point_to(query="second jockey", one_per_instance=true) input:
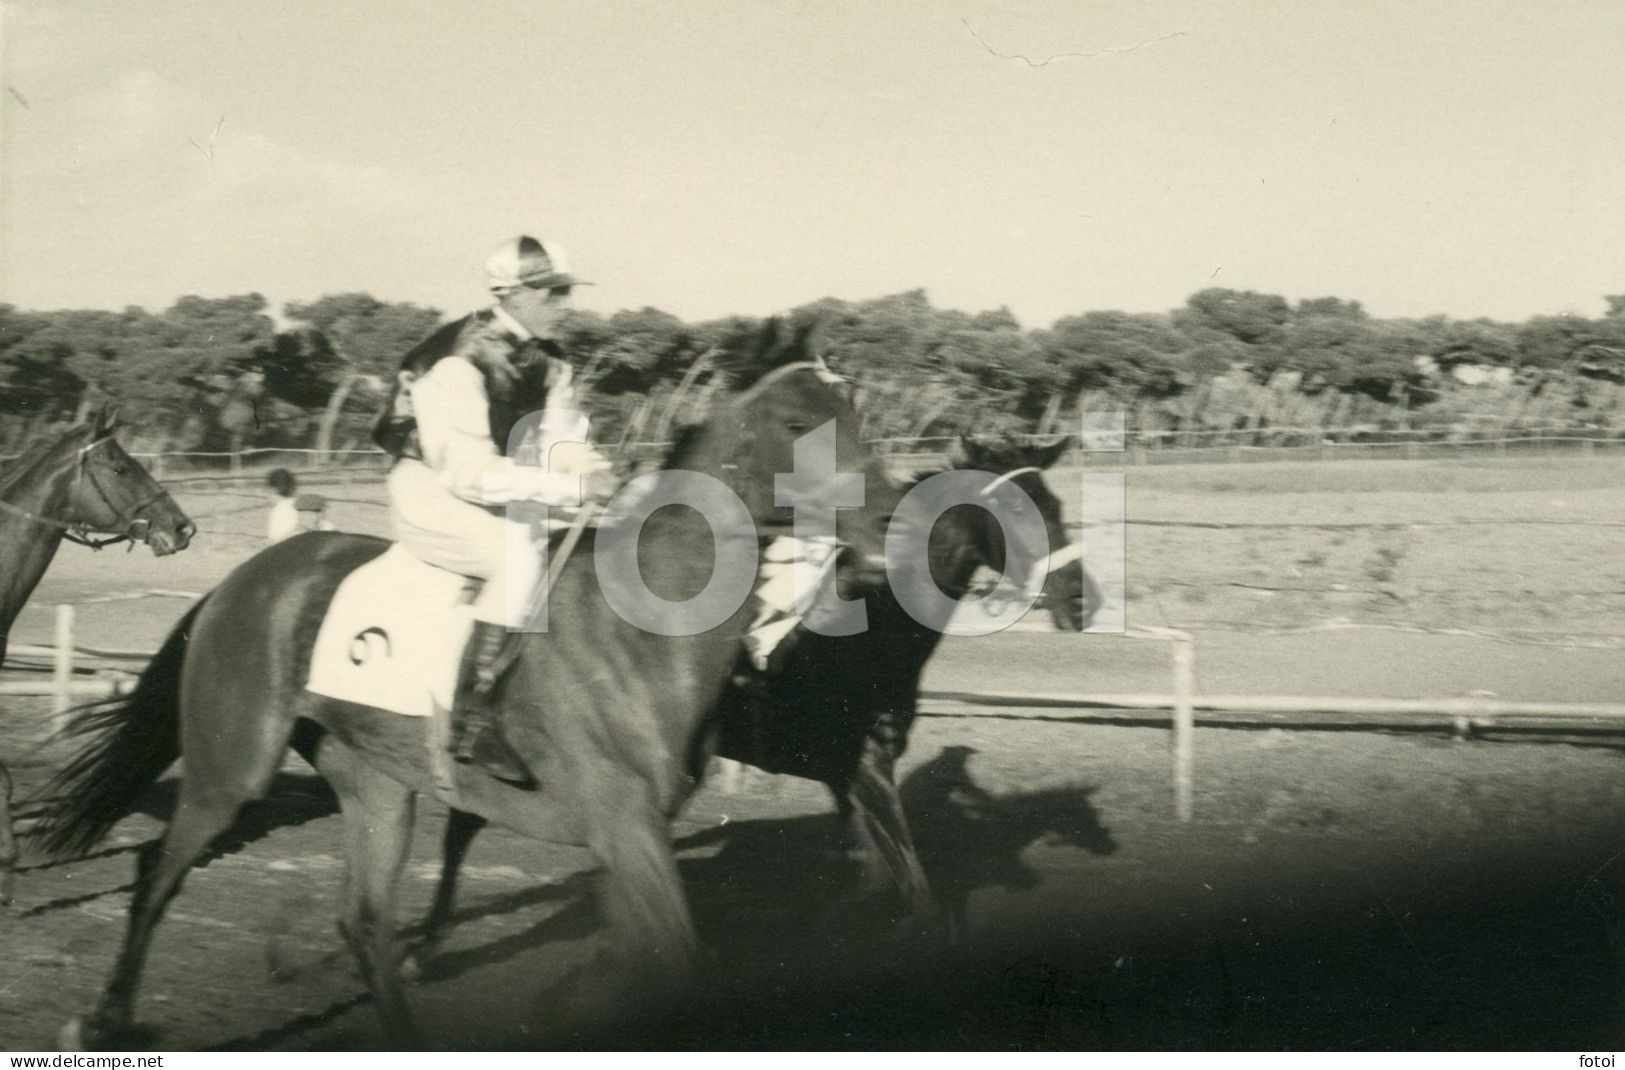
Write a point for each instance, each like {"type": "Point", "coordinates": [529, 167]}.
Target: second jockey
{"type": "Point", "coordinates": [458, 399]}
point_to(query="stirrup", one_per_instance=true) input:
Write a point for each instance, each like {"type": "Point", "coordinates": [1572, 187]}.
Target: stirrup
{"type": "Point", "coordinates": [489, 750]}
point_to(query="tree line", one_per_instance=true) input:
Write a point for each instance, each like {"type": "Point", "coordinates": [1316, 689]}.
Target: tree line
{"type": "Point", "coordinates": [221, 374]}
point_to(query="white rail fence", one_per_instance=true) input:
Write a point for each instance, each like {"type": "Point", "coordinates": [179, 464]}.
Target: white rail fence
{"type": "Point", "coordinates": [78, 673]}
{"type": "Point", "coordinates": [71, 678]}
{"type": "Point", "coordinates": [1193, 446]}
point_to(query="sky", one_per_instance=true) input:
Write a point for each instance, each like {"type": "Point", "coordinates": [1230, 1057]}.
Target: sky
{"type": "Point", "coordinates": [711, 157]}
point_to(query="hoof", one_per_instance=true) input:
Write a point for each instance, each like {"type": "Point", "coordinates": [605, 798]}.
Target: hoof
{"type": "Point", "coordinates": [418, 962]}
{"type": "Point", "coordinates": [413, 967]}
{"type": "Point", "coordinates": [71, 1037]}
{"type": "Point", "coordinates": [80, 1034]}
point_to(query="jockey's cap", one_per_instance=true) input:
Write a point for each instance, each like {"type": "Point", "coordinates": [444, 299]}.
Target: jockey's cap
{"type": "Point", "coordinates": [530, 262]}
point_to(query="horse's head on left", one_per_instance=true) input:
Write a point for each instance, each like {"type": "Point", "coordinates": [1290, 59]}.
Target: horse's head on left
{"type": "Point", "coordinates": [1066, 587]}
{"type": "Point", "coordinates": [796, 444]}
{"type": "Point", "coordinates": [112, 494]}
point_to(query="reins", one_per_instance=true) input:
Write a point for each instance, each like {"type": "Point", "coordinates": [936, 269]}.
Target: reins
{"type": "Point", "coordinates": [1006, 592]}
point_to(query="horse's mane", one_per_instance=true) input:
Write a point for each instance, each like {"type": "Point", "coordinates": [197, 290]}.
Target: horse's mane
{"type": "Point", "coordinates": [744, 358]}
{"type": "Point", "coordinates": [34, 454]}
{"type": "Point", "coordinates": [920, 475]}
{"type": "Point", "coordinates": [683, 444]}
{"type": "Point", "coordinates": [752, 351]}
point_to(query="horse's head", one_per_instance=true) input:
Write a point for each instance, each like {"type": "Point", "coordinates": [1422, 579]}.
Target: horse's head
{"type": "Point", "coordinates": [113, 494]}
{"type": "Point", "coordinates": [789, 438]}
{"type": "Point", "coordinates": [1065, 585]}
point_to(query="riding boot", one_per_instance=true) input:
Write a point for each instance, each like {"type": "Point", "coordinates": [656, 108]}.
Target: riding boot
{"type": "Point", "coordinates": [476, 728]}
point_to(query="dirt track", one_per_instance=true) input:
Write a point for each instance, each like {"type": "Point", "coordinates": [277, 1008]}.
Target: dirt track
{"type": "Point", "coordinates": [1336, 890]}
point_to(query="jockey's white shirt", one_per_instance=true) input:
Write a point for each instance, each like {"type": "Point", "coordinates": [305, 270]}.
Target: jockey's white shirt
{"type": "Point", "coordinates": [454, 433]}
{"type": "Point", "coordinates": [282, 521]}
{"type": "Point", "coordinates": [447, 508]}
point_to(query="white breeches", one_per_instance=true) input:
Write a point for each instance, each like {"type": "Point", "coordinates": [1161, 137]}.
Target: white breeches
{"type": "Point", "coordinates": [470, 540]}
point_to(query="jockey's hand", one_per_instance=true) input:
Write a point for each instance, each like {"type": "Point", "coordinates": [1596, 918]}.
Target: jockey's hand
{"type": "Point", "coordinates": [599, 486]}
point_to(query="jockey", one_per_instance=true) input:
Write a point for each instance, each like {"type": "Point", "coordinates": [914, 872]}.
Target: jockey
{"type": "Point", "coordinates": [459, 395]}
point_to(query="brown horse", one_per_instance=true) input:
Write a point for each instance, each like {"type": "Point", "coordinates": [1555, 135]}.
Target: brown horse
{"type": "Point", "coordinates": [611, 718]}
{"type": "Point", "coordinates": [80, 485]}
{"type": "Point", "coordinates": [838, 709]}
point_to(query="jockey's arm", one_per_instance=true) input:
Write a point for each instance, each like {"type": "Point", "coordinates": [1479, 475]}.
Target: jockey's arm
{"type": "Point", "coordinates": [574, 454]}
{"type": "Point", "coordinates": [454, 431]}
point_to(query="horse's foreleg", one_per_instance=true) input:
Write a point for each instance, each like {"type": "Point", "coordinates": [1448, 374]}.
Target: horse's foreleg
{"type": "Point", "coordinates": [875, 873]}
{"type": "Point", "coordinates": [8, 841]}
{"type": "Point", "coordinates": [378, 814]}
{"type": "Point", "coordinates": [461, 828]}
{"type": "Point", "coordinates": [879, 817]}
{"type": "Point", "coordinates": [160, 869]}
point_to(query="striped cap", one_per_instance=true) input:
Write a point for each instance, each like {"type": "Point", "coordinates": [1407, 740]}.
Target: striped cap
{"type": "Point", "coordinates": [531, 262]}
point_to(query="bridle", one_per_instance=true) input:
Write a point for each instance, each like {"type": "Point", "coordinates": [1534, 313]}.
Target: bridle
{"type": "Point", "coordinates": [1007, 592]}
{"type": "Point", "coordinates": [135, 525]}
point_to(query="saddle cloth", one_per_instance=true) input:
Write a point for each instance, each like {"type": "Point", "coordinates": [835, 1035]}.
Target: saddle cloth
{"type": "Point", "coordinates": [394, 635]}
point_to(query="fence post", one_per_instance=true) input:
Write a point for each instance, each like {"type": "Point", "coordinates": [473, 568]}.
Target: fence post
{"type": "Point", "coordinates": [237, 463]}
{"type": "Point", "coordinates": [63, 666]}
{"type": "Point", "coordinates": [1184, 657]}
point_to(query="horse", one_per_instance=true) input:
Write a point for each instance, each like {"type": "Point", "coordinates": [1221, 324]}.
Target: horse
{"type": "Point", "coordinates": [609, 716]}
{"type": "Point", "coordinates": [838, 709]}
{"type": "Point", "coordinates": [80, 485]}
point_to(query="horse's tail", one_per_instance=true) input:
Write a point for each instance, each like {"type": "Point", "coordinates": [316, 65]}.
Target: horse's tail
{"type": "Point", "coordinates": [135, 738]}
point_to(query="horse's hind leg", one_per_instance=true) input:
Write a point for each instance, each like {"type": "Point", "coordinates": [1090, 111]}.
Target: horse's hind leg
{"type": "Point", "coordinates": [378, 814]}
{"type": "Point", "coordinates": [160, 869]}
{"type": "Point", "coordinates": [8, 841]}
{"type": "Point", "coordinates": [461, 828]}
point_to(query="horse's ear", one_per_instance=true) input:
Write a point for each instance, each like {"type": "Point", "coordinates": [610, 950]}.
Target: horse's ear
{"type": "Point", "coordinates": [812, 338]}
{"type": "Point", "coordinates": [1045, 456]}
{"type": "Point", "coordinates": [776, 334]}
{"type": "Point", "coordinates": [106, 421]}
{"type": "Point", "coordinates": [975, 454]}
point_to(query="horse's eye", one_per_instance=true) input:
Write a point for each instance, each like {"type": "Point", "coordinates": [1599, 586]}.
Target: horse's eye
{"type": "Point", "coordinates": [119, 469]}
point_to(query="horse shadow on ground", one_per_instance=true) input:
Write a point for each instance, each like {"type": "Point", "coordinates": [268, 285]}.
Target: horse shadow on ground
{"type": "Point", "coordinates": [970, 839]}
{"type": "Point", "coordinates": [761, 882]}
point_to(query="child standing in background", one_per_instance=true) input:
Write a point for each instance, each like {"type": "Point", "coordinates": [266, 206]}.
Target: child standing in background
{"type": "Point", "coordinates": [284, 518]}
